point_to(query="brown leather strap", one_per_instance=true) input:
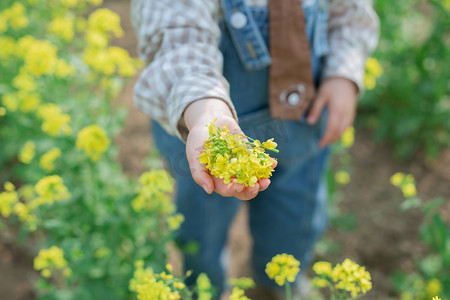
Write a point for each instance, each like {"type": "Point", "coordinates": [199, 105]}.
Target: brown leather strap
{"type": "Point", "coordinates": [291, 87]}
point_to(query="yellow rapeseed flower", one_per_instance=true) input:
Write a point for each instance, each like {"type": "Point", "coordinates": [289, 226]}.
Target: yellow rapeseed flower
{"type": "Point", "coordinates": [174, 222]}
{"type": "Point", "coordinates": [397, 179]}
{"type": "Point", "coordinates": [50, 259]}
{"type": "Point", "coordinates": [41, 58]}
{"type": "Point", "coordinates": [323, 268]}
{"type": "Point", "coordinates": [204, 287]}
{"type": "Point", "coordinates": [105, 20]}
{"type": "Point", "coordinates": [409, 190]}
{"type": "Point", "coordinates": [28, 101]}
{"type": "Point", "coordinates": [436, 298]}
{"type": "Point", "coordinates": [63, 27]}
{"type": "Point", "coordinates": [227, 155]}
{"type": "Point", "coordinates": [10, 101]}
{"type": "Point", "coordinates": [238, 294]}
{"type": "Point", "coordinates": [342, 177]}
{"type": "Point", "coordinates": [348, 137]}
{"type": "Point", "coordinates": [54, 121]}
{"type": "Point", "coordinates": [8, 199]}
{"type": "Point", "coordinates": [154, 189]}
{"type": "Point", "coordinates": [47, 160]}
{"type": "Point", "coordinates": [24, 81]}
{"type": "Point", "coordinates": [283, 267]}
{"type": "Point", "coordinates": [93, 140]}
{"type": "Point", "coordinates": [8, 47]}
{"type": "Point", "coordinates": [352, 278]}
{"type": "Point", "coordinates": [434, 287]}
{"type": "Point", "coordinates": [27, 152]}
{"type": "Point", "coordinates": [50, 189]}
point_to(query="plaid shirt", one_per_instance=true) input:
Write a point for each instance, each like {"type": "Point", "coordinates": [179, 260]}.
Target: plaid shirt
{"type": "Point", "coordinates": [179, 42]}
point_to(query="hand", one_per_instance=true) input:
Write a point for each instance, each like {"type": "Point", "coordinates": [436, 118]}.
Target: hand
{"type": "Point", "coordinates": [340, 95]}
{"type": "Point", "coordinates": [196, 116]}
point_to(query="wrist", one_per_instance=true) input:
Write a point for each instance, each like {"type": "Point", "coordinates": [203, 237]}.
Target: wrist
{"type": "Point", "coordinates": [204, 111]}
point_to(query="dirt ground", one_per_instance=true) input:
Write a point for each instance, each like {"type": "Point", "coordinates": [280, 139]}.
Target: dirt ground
{"type": "Point", "coordinates": [370, 228]}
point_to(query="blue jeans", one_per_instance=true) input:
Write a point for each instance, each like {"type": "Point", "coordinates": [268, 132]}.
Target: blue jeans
{"type": "Point", "coordinates": [289, 216]}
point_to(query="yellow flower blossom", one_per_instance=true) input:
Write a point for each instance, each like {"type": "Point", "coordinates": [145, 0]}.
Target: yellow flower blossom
{"type": "Point", "coordinates": [283, 267]}
{"type": "Point", "coordinates": [15, 16]}
{"type": "Point", "coordinates": [27, 152]}
{"type": "Point", "coordinates": [397, 179]}
{"type": "Point", "coordinates": [28, 101]}
{"type": "Point", "coordinates": [154, 191]}
{"type": "Point", "coordinates": [351, 278]}
{"type": "Point", "coordinates": [93, 140]}
{"type": "Point", "coordinates": [41, 58]}
{"type": "Point", "coordinates": [2, 111]}
{"type": "Point", "coordinates": [342, 177]}
{"type": "Point", "coordinates": [323, 268]}
{"type": "Point", "coordinates": [227, 155]}
{"type": "Point", "coordinates": [11, 102]}
{"type": "Point", "coordinates": [63, 27]}
{"type": "Point", "coordinates": [47, 160]}
{"type": "Point", "coordinates": [434, 287]}
{"type": "Point", "coordinates": [49, 260]}
{"type": "Point", "coordinates": [174, 222]}
{"type": "Point", "coordinates": [409, 190]}
{"type": "Point", "coordinates": [50, 189]}
{"type": "Point", "coordinates": [54, 121]}
{"type": "Point", "coordinates": [8, 199]}
{"type": "Point", "coordinates": [63, 69]}
{"type": "Point", "coordinates": [105, 20]}
{"type": "Point", "coordinates": [238, 294]}
{"type": "Point", "coordinates": [373, 67]}
{"type": "Point", "coordinates": [348, 137]}
{"type": "Point", "coordinates": [436, 298]}
{"type": "Point", "coordinates": [204, 287]}
{"type": "Point", "coordinates": [8, 46]}
{"type": "Point", "coordinates": [24, 81]}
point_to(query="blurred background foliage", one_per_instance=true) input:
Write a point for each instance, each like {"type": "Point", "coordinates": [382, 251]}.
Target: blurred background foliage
{"type": "Point", "coordinates": [410, 106]}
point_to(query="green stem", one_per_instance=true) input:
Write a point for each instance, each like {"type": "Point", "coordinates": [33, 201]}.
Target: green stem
{"type": "Point", "coordinates": [288, 291]}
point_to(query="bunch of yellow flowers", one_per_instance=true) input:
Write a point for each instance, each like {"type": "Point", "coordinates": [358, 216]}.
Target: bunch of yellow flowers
{"type": "Point", "coordinates": [283, 267]}
{"type": "Point", "coordinates": [406, 183]}
{"type": "Point", "coordinates": [229, 155]}
{"type": "Point", "coordinates": [149, 285]}
{"type": "Point", "coordinates": [349, 277]}
{"type": "Point", "coordinates": [51, 259]}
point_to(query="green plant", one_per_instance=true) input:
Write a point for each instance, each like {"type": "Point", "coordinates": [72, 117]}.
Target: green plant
{"type": "Point", "coordinates": [410, 107]}
{"type": "Point", "coordinates": [60, 179]}
{"type": "Point", "coordinates": [432, 276]}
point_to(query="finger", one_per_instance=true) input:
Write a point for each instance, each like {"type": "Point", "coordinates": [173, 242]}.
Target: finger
{"type": "Point", "coordinates": [264, 184]}
{"type": "Point", "coordinates": [249, 192]}
{"type": "Point", "coordinates": [227, 190]}
{"type": "Point", "coordinates": [316, 110]}
{"type": "Point", "coordinates": [331, 131]}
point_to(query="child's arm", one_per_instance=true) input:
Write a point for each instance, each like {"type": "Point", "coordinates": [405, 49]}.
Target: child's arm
{"type": "Point", "coordinates": [182, 87]}
{"type": "Point", "coordinates": [353, 35]}
{"type": "Point", "coordinates": [178, 40]}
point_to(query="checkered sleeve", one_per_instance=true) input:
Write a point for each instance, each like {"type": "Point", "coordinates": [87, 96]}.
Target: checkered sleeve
{"type": "Point", "coordinates": [178, 40]}
{"type": "Point", "coordinates": [353, 31]}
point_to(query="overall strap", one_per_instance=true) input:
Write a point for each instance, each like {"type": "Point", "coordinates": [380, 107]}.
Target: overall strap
{"type": "Point", "coordinates": [291, 85]}
{"type": "Point", "coordinates": [245, 34]}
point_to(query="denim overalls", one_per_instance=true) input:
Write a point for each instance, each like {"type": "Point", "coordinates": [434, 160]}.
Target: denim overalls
{"type": "Point", "coordinates": [290, 215]}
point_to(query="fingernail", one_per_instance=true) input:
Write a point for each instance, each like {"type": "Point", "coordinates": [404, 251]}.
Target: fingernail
{"type": "Point", "coordinates": [254, 192]}
{"type": "Point", "coordinates": [205, 187]}
{"type": "Point", "coordinates": [239, 189]}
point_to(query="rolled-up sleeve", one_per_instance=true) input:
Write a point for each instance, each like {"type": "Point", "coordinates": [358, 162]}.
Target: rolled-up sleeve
{"type": "Point", "coordinates": [178, 40]}
{"type": "Point", "coordinates": [353, 31]}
